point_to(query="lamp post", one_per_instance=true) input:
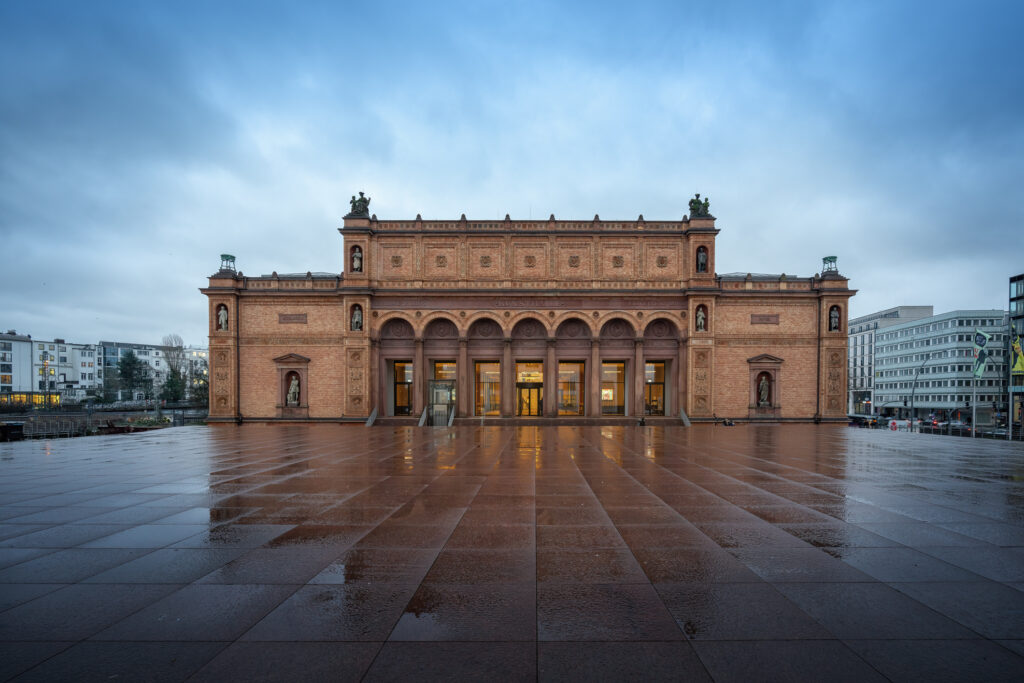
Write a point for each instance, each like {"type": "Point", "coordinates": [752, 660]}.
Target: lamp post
{"type": "Point", "coordinates": [913, 388]}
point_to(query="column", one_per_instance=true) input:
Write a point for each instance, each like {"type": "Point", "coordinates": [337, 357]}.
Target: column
{"type": "Point", "coordinates": [680, 377]}
{"type": "Point", "coordinates": [638, 377]}
{"type": "Point", "coordinates": [373, 381]}
{"type": "Point", "coordinates": [594, 383]}
{"type": "Point", "coordinates": [417, 379]}
{"type": "Point", "coordinates": [463, 383]}
{"type": "Point", "coordinates": [550, 381]}
{"type": "Point", "coordinates": [507, 380]}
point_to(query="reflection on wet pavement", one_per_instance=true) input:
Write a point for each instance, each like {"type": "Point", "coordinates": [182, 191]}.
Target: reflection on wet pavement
{"type": "Point", "coordinates": [707, 553]}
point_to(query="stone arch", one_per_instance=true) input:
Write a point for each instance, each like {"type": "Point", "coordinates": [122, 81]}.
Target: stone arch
{"type": "Point", "coordinates": [529, 327]}
{"type": "Point", "coordinates": [485, 327]}
{"type": "Point", "coordinates": [573, 328]}
{"type": "Point", "coordinates": [441, 328]}
{"type": "Point", "coordinates": [618, 329]}
{"type": "Point", "coordinates": [575, 315]}
{"type": "Point", "coordinates": [437, 315]}
{"type": "Point", "coordinates": [661, 328]}
{"type": "Point", "coordinates": [397, 327]}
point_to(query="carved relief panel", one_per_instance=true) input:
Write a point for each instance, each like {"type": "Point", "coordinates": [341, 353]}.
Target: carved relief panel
{"type": "Point", "coordinates": [440, 261]}
{"type": "Point", "coordinates": [702, 364]}
{"type": "Point", "coordinates": [575, 261]}
{"type": "Point", "coordinates": [397, 260]}
{"type": "Point", "coordinates": [486, 260]}
{"type": "Point", "coordinates": [222, 383]}
{"type": "Point", "coordinates": [530, 260]}
{"type": "Point", "coordinates": [618, 261]}
{"type": "Point", "coordinates": [662, 261]}
{"type": "Point", "coordinates": [356, 394]}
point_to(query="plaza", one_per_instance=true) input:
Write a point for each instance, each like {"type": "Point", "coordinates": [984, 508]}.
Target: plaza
{"type": "Point", "coordinates": [338, 552]}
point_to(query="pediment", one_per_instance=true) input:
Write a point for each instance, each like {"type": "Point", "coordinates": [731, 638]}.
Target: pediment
{"type": "Point", "coordinates": [765, 358]}
{"type": "Point", "coordinates": [291, 358]}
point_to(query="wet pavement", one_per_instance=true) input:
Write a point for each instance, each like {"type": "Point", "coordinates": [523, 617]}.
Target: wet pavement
{"type": "Point", "coordinates": [337, 552]}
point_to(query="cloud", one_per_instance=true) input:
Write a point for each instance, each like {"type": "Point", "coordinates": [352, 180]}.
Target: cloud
{"type": "Point", "coordinates": [138, 142]}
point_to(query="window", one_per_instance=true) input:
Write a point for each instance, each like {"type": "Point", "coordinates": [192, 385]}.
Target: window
{"type": "Point", "coordinates": [570, 388]}
{"type": "Point", "coordinates": [613, 388]}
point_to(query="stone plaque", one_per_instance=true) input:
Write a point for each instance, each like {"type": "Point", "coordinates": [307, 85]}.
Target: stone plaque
{"type": "Point", "coordinates": [291, 318]}
{"type": "Point", "coordinates": [764, 318]}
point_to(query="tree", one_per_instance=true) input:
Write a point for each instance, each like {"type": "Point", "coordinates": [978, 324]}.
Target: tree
{"type": "Point", "coordinates": [174, 387]}
{"type": "Point", "coordinates": [174, 355]}
{"type": "Point", "coordinates": [198, 382]}
{"type": "Point", "coordinates": [134, 374]}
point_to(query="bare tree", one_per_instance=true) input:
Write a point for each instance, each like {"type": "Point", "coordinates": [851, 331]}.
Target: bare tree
{"type": "Point", "coordinates": [174, 352]}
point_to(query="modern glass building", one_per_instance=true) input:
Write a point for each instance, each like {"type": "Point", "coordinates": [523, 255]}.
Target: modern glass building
{"type": "Point", "coordinates": [923, 368]}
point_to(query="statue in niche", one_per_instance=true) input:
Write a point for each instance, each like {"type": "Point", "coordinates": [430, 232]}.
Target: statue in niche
{"type": "Point", "coordinates": [833, 319]}
{"type": "Point", "coordinates": [763, 388]}
{"type": "Point", "coordinates": [698, 208]}
{"type": "Point", "coordinates": [293, 392]}
{"type": "Point", "coordinates": [357, 318]}
{"type": "Point", "coordinates": [702, 260]}
{"type": "Point", "coordinates": [360, 207]}
{"type": "Point", "coordinates": [702, 320]}
{"type": "Point", "coordinates": [357, 260]}
{"type": "Point", "coordinates": [222, 318]}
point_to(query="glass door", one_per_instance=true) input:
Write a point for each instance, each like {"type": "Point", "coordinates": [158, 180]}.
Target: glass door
{"type": "Point", "coordinates": [488, 389]}
{"type": "Point", "coordinates": [570, 388]}
{"type": "Point", "coordinates": [654, 388]}
{"type": "Point", "coordinates": [613, 388]}
{"type": "Point", "coordinates": [530, 388]}
{"type": "Point", "coordinates": [403, 388]}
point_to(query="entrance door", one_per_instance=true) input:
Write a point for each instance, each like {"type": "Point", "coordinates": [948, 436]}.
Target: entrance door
{"type": "Point", "coordinates": [529, 399]}
{"type": "Point", "coordinates": [654, 389]}
{"type": "Point", "coordinates": [442, 401]}
{"type": "Point", "coordinates": [402, 388]}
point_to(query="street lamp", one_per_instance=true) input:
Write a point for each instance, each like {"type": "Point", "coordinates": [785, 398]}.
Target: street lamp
{"type": "Point", "coordinates": [913, 389]}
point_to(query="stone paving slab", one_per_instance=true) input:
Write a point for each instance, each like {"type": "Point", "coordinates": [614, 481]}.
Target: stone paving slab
{"type": "Point", "coordinates": [337, 552]}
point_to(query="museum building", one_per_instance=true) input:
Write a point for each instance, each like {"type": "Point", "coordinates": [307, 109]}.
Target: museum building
{"type": "Point", "coordinates": [590, 320]}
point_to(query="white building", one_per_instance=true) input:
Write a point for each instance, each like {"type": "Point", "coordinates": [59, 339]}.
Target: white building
{"type": "Point", "coordinates": [66, 368]}
{"type": "Point", "coordinates": [862, 330]}
{"type": "Point", "coordinates": [925, 366]}
{"type": "Point", "coordinates": [15, 363]}
{"type": "Point", "coordinates": [197, 370]}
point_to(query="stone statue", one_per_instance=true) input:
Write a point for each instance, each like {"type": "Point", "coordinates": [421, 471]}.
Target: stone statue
{"type": "Point", "coordinates": [293, 392]}
{"type": "Point", "coordinates": [702, 260]}
{"type": "Point", "coordinates": [360, 207]}
{"type": "Point", "coordinates": [357, 260]}
{"type": "Point", "coordinates": [833, 319]}
{"type": "Point", "coordinates": [222, 318]}
{"type": "Point", "coordinates": [762, 392]}
{"type": "Point", "coordinates": [357, 319]}
{"type": "Point", "coordinates": [701, 319]}
{"type": "Point", "coordinates": [698, 208]}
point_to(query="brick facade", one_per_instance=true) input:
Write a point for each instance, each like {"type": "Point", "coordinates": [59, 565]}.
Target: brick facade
{"type": "Point", "coordinates": [564, 294]}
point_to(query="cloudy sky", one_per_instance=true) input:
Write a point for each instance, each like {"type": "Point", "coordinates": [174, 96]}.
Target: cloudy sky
{"type": "Point", "coordinates": [140, 140]}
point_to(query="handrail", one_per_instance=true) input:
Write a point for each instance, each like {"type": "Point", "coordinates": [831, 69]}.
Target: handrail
{"type": "Point", "coordinates": [373, 417]}
{"type": "Point", "coordinates": [423, 418]}
{"type": "Point", "coordinates": [684, 417]}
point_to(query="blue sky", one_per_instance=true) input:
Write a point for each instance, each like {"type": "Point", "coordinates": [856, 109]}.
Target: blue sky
{"type": "Point", "coordinates": [139, 140]}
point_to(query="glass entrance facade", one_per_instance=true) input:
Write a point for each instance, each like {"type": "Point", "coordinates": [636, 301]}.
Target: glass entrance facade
{"type": "Point", "coordinates": [654, 388]}
{"type": "Point", "coordinates": [613, 388]}
{"type": "Point", "coordinates": [571, 388]}
{"type": "Point", "coordinates": [403, 387]}
{"type": "Point", "coordinates": [488, 388]}
{"type": "Point", "coordinates": [530, 388]}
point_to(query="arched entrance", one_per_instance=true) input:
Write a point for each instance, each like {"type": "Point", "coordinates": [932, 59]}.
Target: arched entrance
{"type": "Point", "coordinates": [529, 341]}
{"type": "Point", "coordinates": [441, 352]}
{"type": "Point", "coordinates": [396, 369]}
